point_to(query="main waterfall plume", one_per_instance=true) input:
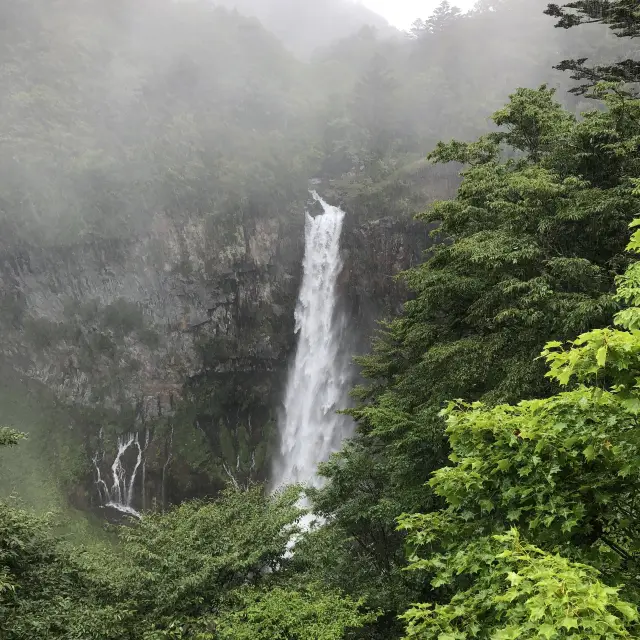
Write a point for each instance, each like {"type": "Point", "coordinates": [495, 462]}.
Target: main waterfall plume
{"type": "Point", "coordinates": [311, 429]}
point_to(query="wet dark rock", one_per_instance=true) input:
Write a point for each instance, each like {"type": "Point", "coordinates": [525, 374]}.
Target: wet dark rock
{"type": "Point", "coordinates": [185, 332]}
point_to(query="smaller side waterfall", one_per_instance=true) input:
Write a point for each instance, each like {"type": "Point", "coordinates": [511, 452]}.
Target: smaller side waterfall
{"type": "Point", "coordinates": [311, 428]}
{"type": "Point", "coordinates": [119, 495]}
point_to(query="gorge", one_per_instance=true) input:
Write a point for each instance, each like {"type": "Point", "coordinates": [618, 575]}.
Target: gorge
{"type": "Point", "coordinates": [314, 389]}
{"type": "Point", "coordinates": [157, 163]}
{"type": "Point", "coordinates": [183, 336]}
{"type": "Point", "coordinates": [151, 227]}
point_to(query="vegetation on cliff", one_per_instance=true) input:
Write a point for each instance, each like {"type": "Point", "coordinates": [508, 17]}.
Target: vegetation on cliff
{"type": "Point", "coordinates": [114, 113]}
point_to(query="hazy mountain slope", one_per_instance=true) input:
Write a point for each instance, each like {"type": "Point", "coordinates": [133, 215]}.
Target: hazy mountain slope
{"type": "Point", "coordinates": [113, 113]}
{"type": "Point", "coordinates": [305, 25]}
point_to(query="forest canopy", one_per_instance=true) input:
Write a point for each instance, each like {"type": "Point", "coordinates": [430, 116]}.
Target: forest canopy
{"type": "Point", "coordinates": [113, 112]}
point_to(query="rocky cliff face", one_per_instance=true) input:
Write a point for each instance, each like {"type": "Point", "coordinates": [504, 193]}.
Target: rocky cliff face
{"type": "Point", "coordinates": [106, 323]}
{"type": "Point", "coordinates": [182, 335]}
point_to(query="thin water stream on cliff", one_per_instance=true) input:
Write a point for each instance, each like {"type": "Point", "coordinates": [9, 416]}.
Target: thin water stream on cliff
{"type": "Point", "coordinates": [310, 429]}
{"type": "Point", "coordinates": [119, 495]}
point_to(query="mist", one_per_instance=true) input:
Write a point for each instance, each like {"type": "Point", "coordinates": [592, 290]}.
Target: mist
{"type": "Point", "coordinates": [112, 112]}
{"type": "Point", "coordinates": [250, 252]}
{"type": "Point", "coordinates": [156, 158]}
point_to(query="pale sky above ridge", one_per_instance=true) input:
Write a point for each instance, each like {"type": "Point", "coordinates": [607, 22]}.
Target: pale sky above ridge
{"type": "Point", "coordinates": [401, 13]}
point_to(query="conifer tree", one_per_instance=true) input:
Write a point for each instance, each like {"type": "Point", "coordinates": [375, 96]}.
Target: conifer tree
{"type": "Point", "coordinates": [530, 249]}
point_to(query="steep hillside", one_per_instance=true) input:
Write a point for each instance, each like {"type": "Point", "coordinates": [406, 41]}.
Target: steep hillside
{"type": "Point", "coordinates": [308, 25]}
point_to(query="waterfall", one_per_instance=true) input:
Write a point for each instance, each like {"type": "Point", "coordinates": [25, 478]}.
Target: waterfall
{"type": "Point", "coordinates": [119, 495]}
{"type": "Point", "coordinates": [310, 428]}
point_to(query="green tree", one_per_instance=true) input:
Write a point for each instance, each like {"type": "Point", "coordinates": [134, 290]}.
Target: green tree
{"type": "Point", "coordinates": [218, 570]}
{"type": "Point", "coordinates": [561, 473]}
{"type": "Point", "coordinates": [373, 105]}
{"type": "Point", "coordinates": [441, 19]}
{"type": "Point", "coordinates": [621, 16]}
{"type": "Point", "coordinates": [518, 592]}
{"type": "Point", "coordinates": [203, 571]}
{"type": "Point", "coordinates": [531, 245]}
{"type": "Point", "coordinates": [44, 592]}
{"type": "Point", "coordinates": [302, 613]}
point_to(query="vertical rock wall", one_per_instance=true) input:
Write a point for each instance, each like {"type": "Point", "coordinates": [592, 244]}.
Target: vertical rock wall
{"type": "Point", "coordinates": [184, 332]}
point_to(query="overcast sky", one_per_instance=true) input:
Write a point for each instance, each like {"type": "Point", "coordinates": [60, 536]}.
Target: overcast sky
{"type": "Point", "coordinates": [401, 13]}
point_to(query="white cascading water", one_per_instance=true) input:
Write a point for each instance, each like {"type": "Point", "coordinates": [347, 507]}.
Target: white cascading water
{"type": "Point", "coordinates": [120, 495]}
{"type": "Point", "coordinates": [311, 430]}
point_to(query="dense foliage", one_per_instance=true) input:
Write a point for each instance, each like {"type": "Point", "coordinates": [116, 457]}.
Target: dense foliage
{"type": "Point", "coordinates": [532, 244]}
{"type": "Point", "coordinates": [112, 113]}
{"type": "Point", "coordinates": [191, 126]}
{"type": "Point", "coordinates": [537, 234]}
{"type": "Point", "coordinates": [562, 472]}
{"type": "Point", "coordinates": [202, 571]}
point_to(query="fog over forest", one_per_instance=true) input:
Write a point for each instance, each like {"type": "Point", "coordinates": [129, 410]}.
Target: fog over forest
{"type": "Point", "coordinates": [112, 112]}
{"type": "Point", "coordinates": [275, 281]}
